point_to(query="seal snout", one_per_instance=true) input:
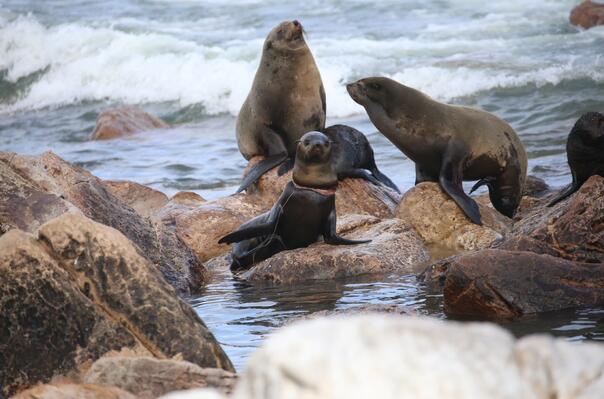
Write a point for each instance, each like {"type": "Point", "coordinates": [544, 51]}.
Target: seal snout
{"type": "Point", "coordinates": [296, 30]}
{"type": "Point", "coordinates": [355, 90]}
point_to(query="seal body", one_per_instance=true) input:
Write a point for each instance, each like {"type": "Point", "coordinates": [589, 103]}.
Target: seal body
{"type": "Point", "coordinates": [585, 152]}
{"type": "Point", "coordinates": [305, 210]}
{"type": "Point", "coordinates": [448, 143]}
{"type": "Point", "coordinates": [353, 156]}
{"type": "Point", "coordinates": [286, 100]}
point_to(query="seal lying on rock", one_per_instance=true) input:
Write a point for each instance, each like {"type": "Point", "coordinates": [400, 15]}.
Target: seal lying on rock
{"type": "Point", "coordinates": [352, 156]}
{"type": "Point", "coordinates": [304, 211]}
{"type": "Point", "coordinates": [449, 144]}
{"type": "Point", "coordinates": [287, 99]}
{"type": "Point", "coordinates": [585, 152]}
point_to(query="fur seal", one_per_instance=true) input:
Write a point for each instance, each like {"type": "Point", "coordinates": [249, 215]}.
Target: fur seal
{"type": "Point", "coordinates": [353, 156]}
{"type": "Point", "coordinates": [448, 143]}
{"type": "Point", "coordinates": [305, 210]}
{"type": "Point", "coordinates": [286, 100]}
{"type": "Point", "coordinates": [585, 152]}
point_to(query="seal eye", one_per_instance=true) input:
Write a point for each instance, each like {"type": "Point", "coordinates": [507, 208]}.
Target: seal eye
{"type": "Point", "coordinates": [376, 86]}
{"type": "Point", "coordinates": [306, 142]}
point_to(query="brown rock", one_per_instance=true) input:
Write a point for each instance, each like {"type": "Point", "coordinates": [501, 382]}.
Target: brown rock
{"type": "Point", "coordinates": [505, 284]}
{"type": "Point", "coordinates": [124, 121]}
{"type": "Point", "coordinates": [149, 378]}
{"type": "Point", "coordinates": [86, 289]}
{"type": "Point", "coordinates": [572, 229]}
{"type": "Point", "coordinates": [535, 187]}
{"type": "Point", "coordinates": [187, 198]}
{"type": "Point", "coordinates": [587, 14]}
{"type": "Point", "coordinates": [395, 248]}
{"type": "Point", "coordinates": [55, 180]}
{"type": "Point", "coordinates": [442, 225]}
{"type": "Point", "coordinates": [74, 391]}
{"type": "Point", "coordinates": [144, 200]}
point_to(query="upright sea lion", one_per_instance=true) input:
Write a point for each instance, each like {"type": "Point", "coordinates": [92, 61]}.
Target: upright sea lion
{"type": "Point", "coordinates": [305, 210]}
{"type": "Point", "coordinates": [287, 99]}
{"type": "Point", "coordinates": [448, 143]}
{"type": "Point", "coordinates": [353, 156]}
{"type": "Point", "coordinates": [585, 152]}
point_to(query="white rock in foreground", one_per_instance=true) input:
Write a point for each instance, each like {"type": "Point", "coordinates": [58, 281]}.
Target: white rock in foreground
{"type": "Point", "coordinates": [378, 356]}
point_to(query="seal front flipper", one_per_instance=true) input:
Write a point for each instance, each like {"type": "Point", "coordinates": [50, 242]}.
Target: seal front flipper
{"type": "Point", "coordinates": [487, 181]}
{"type": "Point", "coordinates": [565, 193]}
{"type": "Point", "coordinates": [247, 233]}
{"type": "Point", "coordinates": [330, 236]}
{"type": "Point", "coordinates": [450, 180]}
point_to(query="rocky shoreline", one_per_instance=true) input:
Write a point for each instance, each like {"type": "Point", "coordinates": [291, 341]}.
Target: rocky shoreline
{"type": "Point", "coordinates": [92, 272]}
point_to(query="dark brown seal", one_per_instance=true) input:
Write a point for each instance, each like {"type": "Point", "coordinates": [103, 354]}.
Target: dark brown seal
{"type": "Point", "coordinates": [585, 152]}
{"type": "Point", "coordinates": [287, 99]}
{"type": "Point", "coordinates": [448, 143]}
{"type": "Point", "coordinates": [305, 210]}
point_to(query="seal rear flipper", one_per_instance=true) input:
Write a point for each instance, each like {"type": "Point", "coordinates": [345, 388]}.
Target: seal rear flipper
{"type": "Point", "coordinates": [267, 248]}
{"type": "Point", "coordinates": [360, 174]}
{"type": "Point", "coordinates": [450, 180]}
{"type": "Point", "coordinates": [385, 180]}
{"type": "Point", "coordinates": [565, 193]}
{"type": "Point", "coordinates": [261, 168]}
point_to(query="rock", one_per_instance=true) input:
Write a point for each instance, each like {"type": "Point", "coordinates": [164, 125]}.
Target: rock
{"type": "Point", "coordinates": [572, 229]}
{"type": "Point", "coordinates": [85, 288]}
{"type": "Point", "coordinates": [187, 198]}
{"type": "Point", "coordinates": [38, 188]}
{"type": "Point", "coordinates": [124, 121]}
{"type": "Point", "coordinates": [201, 227]}
{"type": "Point", "coordinates": [506, 284]}
{"type": "Point", "coordinates": [358, 310]}
{"type": "Point", "coordinates": [442, 225]}
{"type": "Point", "coordinates": [149, 378]}
{"type": "Point", "coordinates": [74, 391]}
{"type": "Point", "coordinates": [587, 14]}
{"type": "Point", "coordinates": [144, 200]}
{"type": "Point", "coordinates": [353, 196]}
{"type": "Point", "coordinates": [381, 356]}
{"type": "Point", "coordinates": [395, 248]}
{"type": "Point", "coordinates": [535, 187]}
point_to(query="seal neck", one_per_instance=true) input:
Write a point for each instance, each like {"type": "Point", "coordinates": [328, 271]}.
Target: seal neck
{"type": "Point", "coordinates": [325, 191]}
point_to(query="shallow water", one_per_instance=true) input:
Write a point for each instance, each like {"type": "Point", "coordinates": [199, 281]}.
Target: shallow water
{"type": "Point", "coordinates": [192, 63]}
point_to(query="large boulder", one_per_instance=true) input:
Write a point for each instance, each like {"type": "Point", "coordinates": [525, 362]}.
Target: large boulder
{"type": "Point", "coordinates": [68, 390]}
{"type": "Point", "coordinates": [385, 357]}
{"type": "Point", "coordinates": [149, 378]}
{"type": "Point", "coordinates": [144, 200]}
{"type": "Point", "coordinates": [85, 288]}
{"type": "Point", "coordinates": [395, 248]}
{"type": "Point", "coordinates": [124, 121]}
{"type": "Point", "coordinates": [35, 189]}
{"type": "Point", "coordinates": [571, 229]}
{"type": "Point", "coordinates": [587, 14]}
{"type": "Point", "coordinates": [505, 284]}
{"type": "Point", "coordinates": [443, 226]}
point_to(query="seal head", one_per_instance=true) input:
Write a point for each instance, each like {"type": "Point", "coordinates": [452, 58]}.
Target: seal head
{"type": "Point", "coordinates": [313, 166]}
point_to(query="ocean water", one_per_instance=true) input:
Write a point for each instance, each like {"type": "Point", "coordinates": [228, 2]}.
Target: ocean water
{"type": "Point", "coordinates": [192, 63]}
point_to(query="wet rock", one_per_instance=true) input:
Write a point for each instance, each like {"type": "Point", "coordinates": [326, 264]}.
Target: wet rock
{"type": "Point", "coordinates": [354, 196]}
{"type": "Point", "coordinates": [359, 310]}
{"type": "Point", "coordinates": [535, 187]}
{"type": "Point", "coordinates": [86, 288]}
{"type": "Point", "coordinates": [587, 14]}
{"type": "Point", "coordinates": [149, 378]}
{"type": "Point", "coordinates": [124, 121]}
{"type": "Point", "coordinates": [572, 229]}
{"type": "Point", "coordinates": [74, 391]}
{"type": "Point", "coordinates": [441, 224]}
{"type": "Point", "coordinates": [395, 248]}
{"type": "Point", "coordinates": [506, 284]}
{"type": "Point", "coordinates": [360, 356]}
{"type": "Point", "coordinates": [144, 200]}
{"type": "Point", "coordinates": [37, 188]}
